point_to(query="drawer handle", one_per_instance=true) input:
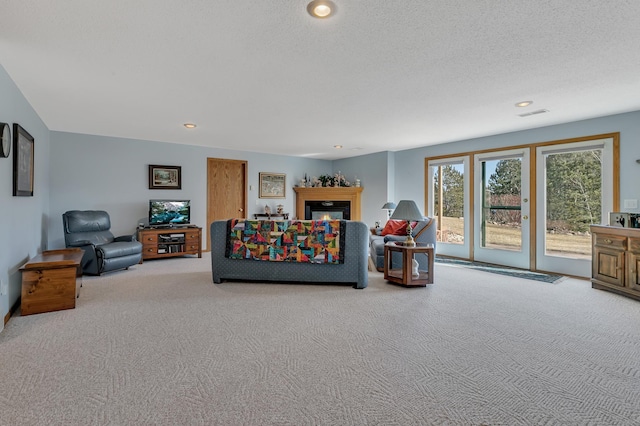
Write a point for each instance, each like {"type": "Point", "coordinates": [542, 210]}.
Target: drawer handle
{"type": "Point", "coordinates": [607, 241]}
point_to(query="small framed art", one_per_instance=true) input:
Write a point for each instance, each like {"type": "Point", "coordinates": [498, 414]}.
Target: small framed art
{"type": "Point", "coordinates": [272, 185]}
{"type": "Point", "coordinates": [23, 155]}
{"type": "Point", "coordinates": [165, 177]}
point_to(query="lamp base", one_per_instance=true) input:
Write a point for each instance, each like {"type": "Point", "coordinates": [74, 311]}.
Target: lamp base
{"type": "Point", "coordinates": [409, 242]}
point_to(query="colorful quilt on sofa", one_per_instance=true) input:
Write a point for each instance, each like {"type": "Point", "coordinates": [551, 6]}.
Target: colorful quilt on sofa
{"type": "Point", "coordinates": [308, 241]}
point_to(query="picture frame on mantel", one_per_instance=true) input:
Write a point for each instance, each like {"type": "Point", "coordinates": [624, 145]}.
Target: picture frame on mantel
{"type": "Point", "coordinates": [23, 162]}
{"type": "Point", "coordinates": [273, 185]}
{"type": "Point", "coordinates": [165, 177]}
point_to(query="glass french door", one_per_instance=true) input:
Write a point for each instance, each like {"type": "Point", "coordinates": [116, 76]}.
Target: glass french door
{"type": "Point", "coordinates": [571, 195]}
{"type": "Point", "coordinates": [501, 218]}
{"type": "Point", "coordinates": [448, 199]}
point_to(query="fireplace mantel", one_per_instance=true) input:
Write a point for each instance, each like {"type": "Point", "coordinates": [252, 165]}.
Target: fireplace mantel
{"type": "Point", "coordinates": [342, 193]}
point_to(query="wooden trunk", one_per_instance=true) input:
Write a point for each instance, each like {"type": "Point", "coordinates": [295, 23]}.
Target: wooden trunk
{"type": "Point", "coordinates": [50, 281]}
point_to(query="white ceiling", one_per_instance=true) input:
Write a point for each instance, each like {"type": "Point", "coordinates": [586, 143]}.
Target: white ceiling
{"type": "Point", "coordinates": [264, 76]}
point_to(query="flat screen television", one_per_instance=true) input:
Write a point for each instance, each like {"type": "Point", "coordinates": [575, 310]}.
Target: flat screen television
{"type": "Point", "coordinates": [169, 212]}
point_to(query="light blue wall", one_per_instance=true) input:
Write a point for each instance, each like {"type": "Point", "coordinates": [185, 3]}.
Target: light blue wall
{"type": "Point", "coordinates": [23, 225]}
{"type": "Point", "coordinates": [105, 173]}
{"type": "Point", "coordinates": [409, 176]}
{"type": "Point", "coordinates": [374, 172]}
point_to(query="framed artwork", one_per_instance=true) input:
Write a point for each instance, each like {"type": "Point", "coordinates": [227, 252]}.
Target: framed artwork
{"type": "Point", "coordinates": [165, 177]}
{"type": "Point", "coordinates": [272, 185]}
{"type": "Point", "coordinates": [23, 144]}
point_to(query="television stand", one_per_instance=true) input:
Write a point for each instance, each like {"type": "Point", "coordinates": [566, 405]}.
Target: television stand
{"type": "Point", "coordinates": [170, 242]}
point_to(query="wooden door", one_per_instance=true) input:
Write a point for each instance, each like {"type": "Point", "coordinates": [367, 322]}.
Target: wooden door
{"type": "Point", "coordinates": [226, 190]}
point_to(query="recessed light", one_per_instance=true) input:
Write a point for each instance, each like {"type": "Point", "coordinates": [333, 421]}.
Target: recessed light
{"type": "Point", "coordinates": [524, 104]}
{"type": "Point", "coordinates": [190, 125]}
{"type": "Point", "coordinates": [337, 146]}
{"type": "Point", "coordinates": [321, 8]}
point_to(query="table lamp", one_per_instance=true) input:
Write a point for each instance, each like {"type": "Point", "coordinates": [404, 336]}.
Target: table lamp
{"type": "Point", "coordinates": [409, 211]}
{"type": "Point", "coordinates": [388, 206]}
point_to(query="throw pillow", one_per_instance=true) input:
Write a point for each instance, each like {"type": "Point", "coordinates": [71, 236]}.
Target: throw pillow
{"type": "Point", "coordinates": [395, 227]}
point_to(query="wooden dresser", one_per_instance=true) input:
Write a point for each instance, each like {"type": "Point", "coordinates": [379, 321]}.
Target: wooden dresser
{"type": "Point", "coordinates": [616, 260]}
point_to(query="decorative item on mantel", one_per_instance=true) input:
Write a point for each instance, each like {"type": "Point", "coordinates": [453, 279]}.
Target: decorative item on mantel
{"type": "Point", "coordinates": [326, 181]}
{"type": "Point", "coordinates": [267, 210]}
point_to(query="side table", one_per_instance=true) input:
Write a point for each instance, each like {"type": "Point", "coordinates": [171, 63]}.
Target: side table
{"type": "Point", "coordinates": [50, 281]}
{"type": "Point", "coordinates": [403, 276]}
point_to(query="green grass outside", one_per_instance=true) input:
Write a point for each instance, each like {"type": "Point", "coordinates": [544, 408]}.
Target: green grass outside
{"type": "Point", "coordinates": [568, 245]}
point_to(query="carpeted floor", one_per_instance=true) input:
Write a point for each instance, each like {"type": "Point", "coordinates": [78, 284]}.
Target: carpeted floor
{"type": "Point", "coordinates": [161, 345]}
{"type": "Point", "coordinates": [503, 270]}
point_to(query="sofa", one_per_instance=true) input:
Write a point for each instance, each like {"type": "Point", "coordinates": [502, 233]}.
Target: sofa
{"type": "Point", "coordinates": [424, 232]}
{"type": "Point", "coordinates": [353, 271]}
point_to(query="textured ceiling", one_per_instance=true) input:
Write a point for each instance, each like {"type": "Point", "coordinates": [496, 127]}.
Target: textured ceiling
{"type": "Point", "coordinates": [264, 76]}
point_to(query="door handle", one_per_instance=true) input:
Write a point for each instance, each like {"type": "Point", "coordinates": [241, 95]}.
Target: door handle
{"type": "Point", "coordinates": [525, 217]}
{"type": "Point", "coordinates": [240, 210]}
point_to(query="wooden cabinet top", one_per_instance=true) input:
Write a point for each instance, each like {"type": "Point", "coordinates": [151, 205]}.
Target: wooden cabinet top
{"type": "Point", "coordinates": [52, 259]}
{"type": "Point", "coordinates": [615, 230]}
{"type": "Point", "coordinates": [173, 230]}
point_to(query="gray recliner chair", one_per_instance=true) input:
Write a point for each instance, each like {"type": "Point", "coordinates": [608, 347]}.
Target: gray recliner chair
{"type": "Point", "coordinates": [90, 231]}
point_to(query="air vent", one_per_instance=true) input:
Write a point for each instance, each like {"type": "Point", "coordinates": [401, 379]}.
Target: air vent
{"type": "Point", "coordinates": [539, 111]}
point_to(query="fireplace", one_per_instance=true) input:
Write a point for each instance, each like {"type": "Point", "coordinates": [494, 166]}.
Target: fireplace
{"type": "Point", "coordinates": [343, 198]}
{"type": "Point", "coordinates": [328, 209]}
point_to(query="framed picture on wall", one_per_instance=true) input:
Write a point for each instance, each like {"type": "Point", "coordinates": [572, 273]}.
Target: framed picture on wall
{"type": "Point", "coordinates": [165, 177]}
{"type": "Point", "coordinates": [272, 185]}
{"type": "Point", "coordinates": [23, 155]}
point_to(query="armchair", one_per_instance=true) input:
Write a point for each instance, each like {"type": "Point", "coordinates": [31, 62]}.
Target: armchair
{"type": "Point", "coordinates": [423, 232]}
{"type": "Point", "coordinates": [90, 231]}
